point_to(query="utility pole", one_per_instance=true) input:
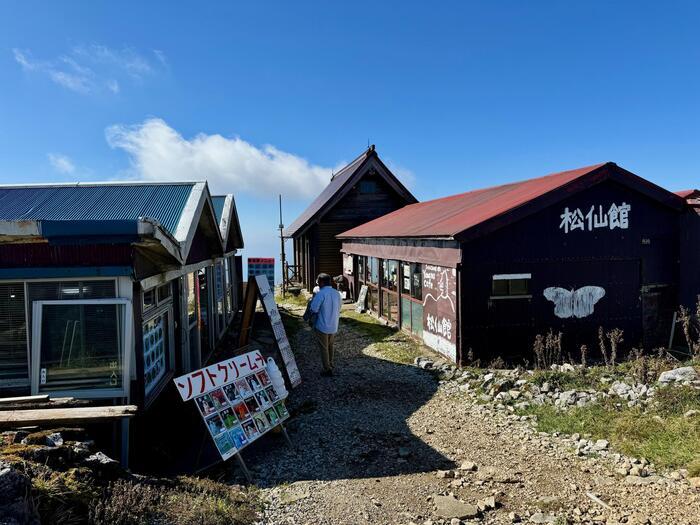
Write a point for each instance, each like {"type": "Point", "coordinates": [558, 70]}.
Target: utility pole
{"type": "Point", "coordinates": [283, 262]}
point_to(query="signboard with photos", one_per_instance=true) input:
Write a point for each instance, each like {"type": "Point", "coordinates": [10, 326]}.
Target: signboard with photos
{"type": "Point", "coordinates": [236, 399]}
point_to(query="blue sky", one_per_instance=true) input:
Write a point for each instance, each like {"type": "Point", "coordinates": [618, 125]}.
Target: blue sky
{"type": "Point", "coordinates": [265, 97]}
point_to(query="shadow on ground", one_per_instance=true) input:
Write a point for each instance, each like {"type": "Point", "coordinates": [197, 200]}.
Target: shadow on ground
{"type": "Point", "coordinates": [353, 425]}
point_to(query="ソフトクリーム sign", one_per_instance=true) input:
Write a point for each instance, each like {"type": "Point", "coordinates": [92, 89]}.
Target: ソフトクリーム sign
{"type": "Point", "coordinates": [236, 399]}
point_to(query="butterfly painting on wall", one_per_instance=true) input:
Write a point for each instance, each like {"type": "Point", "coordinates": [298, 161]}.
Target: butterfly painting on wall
{"type": "Point", "coordinates": [574, 303]}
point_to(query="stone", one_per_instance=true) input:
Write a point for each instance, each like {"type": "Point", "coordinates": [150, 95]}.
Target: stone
{"type": "Point", "coordinates": [104, 466]}
{"type": "Point", "coordinates": [545, 387]}
{"type": "Point", "coordinates": [541, 517]}
{"type": "Point", "coordinates": [684, 373]}
{"type": "Point", "coordinates": [600, 445]}
{"type": "Point", "coordinates": [15, 506]}
{"type": "Point", "coordinates": [54, 440]}
{"type": "Point", "coordinates": [691, 413]}
{"type": "Point", "coordinates": [455, 521]}
{"type": "Point", "coordinates": [451, 507]}
{"type": "Point", "coordinates": [444, 474]}
{"type": "Point", "coordinates": [468, 466]}
{"type": "Point", "coordinates": [514, 517]}
{"type": "Point", "coordinates": [694, 482]}
{"type": "Point", "coordinates": [639, 480]}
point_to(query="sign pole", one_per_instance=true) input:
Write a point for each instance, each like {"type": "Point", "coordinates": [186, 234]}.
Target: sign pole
{"type": "Point", "coordinates": [283, 262]}
{"type": "Point", "coordinates": [244, 468]}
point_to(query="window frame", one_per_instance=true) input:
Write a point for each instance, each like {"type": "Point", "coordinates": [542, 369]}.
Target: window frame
{"type": "Point", "coordinates": [126, 348]}
{"type": "Point", "coordinates": [508, 277]}
{"type": "Point", "coordinates": [167, 309]}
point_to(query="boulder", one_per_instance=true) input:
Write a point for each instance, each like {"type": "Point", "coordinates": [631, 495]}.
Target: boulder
{"type": "Point", "coordinates": [104, 467]}
{"type": "Point", "coordinates": [678, 375]}
{"type": "Point", "coordinates": [450, 507]}
{"type": "Point", "coordinates": [15, 504]}
{"type": "Point", "coordinates": [541, 517]}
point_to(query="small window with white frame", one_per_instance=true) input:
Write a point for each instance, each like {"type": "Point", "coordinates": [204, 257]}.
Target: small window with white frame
{"type": "Point", "coordinates": [510, 285]}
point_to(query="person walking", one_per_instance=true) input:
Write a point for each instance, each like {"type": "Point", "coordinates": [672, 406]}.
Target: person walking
{"type": "Point", "coordinates": [326, 307]}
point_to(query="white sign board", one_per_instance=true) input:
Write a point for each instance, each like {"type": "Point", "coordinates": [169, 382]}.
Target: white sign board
{"type": "Point", "coordinates": [236, 399]}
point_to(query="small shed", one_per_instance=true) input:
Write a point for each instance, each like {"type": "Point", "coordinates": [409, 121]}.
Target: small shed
{"type": "Point", "coordinates": [479, 274]}
{"type": "Point", "coordinates": [108, 290]}
{"type": "Point", "coordinates": [361, 191]}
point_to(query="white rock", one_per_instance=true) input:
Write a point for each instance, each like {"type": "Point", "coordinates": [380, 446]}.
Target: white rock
{"type": "Point", "coordinates": [684, 373]}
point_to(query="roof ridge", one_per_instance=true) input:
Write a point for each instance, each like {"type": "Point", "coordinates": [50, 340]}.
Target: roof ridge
{"type": "Point", "coordinates": [100, 183]}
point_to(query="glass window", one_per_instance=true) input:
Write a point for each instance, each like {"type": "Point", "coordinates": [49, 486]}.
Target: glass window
{"type": "Point", "coordinates": [13, 336]}
{"type": "Point", "coordinates": [406, 314]}
{"type": "Point", "coordinates": [405, 278]}
{"type": "Point", "coordinates": [82, 346]}
{"type": "Point", "coordinates": [510, 285]}
{"type": "Point", "coordinates": [192, 289]}
{"type": "Point", "coordinates": [361, 263]}
{"type": "Point", "coordinates": [164, 293]}
{"type": "Point", "coordinates": [374, 270]}
{"type": "Point", "coordinates": [390, 274]}
{"type": "Point", "coordinates": [149, 299]}
{"type": "Point", "coordinates": [156, 349]}
{"type": "Point", "coordinates": [416, 281]}
{"type": "Point", "coordinates": [417, 318]}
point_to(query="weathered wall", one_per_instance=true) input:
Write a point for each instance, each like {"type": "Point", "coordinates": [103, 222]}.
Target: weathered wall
{"type": "Point", "coordinates": [635, 262]}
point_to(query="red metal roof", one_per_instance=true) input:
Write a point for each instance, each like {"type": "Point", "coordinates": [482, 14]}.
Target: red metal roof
{"type": "Point", "coordinates": [448, 216]}
{"type": "Point", "coordinates": [687, 193]}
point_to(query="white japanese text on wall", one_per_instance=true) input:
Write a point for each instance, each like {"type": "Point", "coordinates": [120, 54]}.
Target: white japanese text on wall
{"type": "Point", "coordinates": [616, 216]}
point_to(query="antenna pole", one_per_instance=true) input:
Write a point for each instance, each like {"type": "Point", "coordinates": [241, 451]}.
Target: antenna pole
{"type": "Point", "coordinates": [283, 261]}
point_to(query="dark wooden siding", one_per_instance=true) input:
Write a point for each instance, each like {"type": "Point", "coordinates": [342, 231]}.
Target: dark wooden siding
{"type": "Point", "coordinates": [46, 255]}
{"type": "Point", "coordinates": [638, 268]}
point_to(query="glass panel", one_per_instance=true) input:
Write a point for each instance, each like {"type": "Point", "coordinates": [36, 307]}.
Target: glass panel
{"type": "Point", "coordinates": [149, 299]}
{"type": "Point", "coordinates": [13, 336]}
{"type": "Point", "coordinates": [374, 270]}
{"type": "Point", "coordinates": [499, 287]}
{"type": "Point", "coordinates": [417, 318]}
{"type": "Point", "coordinates": [373, 299]}
{"type": "Point", "coordinates": [384, 273]}
{"type": "Point", "coordinates": [203, 317]}
{"type": "Point", "coordinates": [385, 304]}
{"type": "Point", "coordinates": [81, 346]}
{"type": "Point", "coordinates": [164, 292]}
{"type": "Point", "coordinates": [519, 286]}
{"type": "Point", "coordinates": [191, 298]}
{"type": "Point", "coordinates": [406, 314]}
{"type": "Point", "coordinates": [417, 281]}
{"type": "Point", "coordinates": [394, 307]}
{"type": "Point", "coordinates": [156, 347]}
{"type": "Point", "coordinates": [406, 278]}
{"type": "Point", "coordinates": [392, 275]}
{"type": "Point", "coordinates": [361, 268]}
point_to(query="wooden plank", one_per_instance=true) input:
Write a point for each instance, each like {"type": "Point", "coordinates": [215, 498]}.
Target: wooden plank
{"type": "Point", "coordinates": [64, 416]}
{"type": "Point", "coordinates": [23, 399]}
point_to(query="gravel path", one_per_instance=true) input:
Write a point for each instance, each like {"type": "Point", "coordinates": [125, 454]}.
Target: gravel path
{"type": "Point", "coordinates": [369, 443]}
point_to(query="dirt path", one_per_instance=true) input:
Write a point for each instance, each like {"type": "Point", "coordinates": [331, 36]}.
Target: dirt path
{"type": "Point", "coordinates": [369, 443]}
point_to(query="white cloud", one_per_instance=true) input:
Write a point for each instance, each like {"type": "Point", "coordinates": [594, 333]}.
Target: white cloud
{"type": "Point", "coordinates": [61, 163]}
{"type": "Point", "coordinates": [92, 68]}
{"type": "Point", "coordinates": [158, 152]}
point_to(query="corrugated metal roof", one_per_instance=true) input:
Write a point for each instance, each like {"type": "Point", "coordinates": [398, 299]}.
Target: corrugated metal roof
{"type": "Point", "coordinates": [95, 202]}
{"type": "Point", "coordinates": [449, 216]}
{"type": "Point", "coordinates": [218, 202]}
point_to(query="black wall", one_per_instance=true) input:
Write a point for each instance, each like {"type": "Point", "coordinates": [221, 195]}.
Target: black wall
{"type": "Point", "coordinates": [638, 267]}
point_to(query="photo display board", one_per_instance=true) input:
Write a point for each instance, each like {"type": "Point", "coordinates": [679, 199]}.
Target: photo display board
{"type": "Point", "coordinates": [262, 266]}
{"type": "Point", "coordinates": [270, 306]}
{"type": "Point", "coordinates": [236, 400]}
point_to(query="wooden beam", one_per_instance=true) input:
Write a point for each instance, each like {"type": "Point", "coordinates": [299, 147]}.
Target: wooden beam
{"type": "Point", "coordinates": [64, 416]}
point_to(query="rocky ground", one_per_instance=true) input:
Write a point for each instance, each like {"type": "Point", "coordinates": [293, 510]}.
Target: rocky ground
{"type": "Point", "coordinates": [387, 443]}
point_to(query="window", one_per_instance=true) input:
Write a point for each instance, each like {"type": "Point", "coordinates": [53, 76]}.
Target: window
{"type": "Point", "coordinates": [390, 274]}
{"type": "Point", "coordinates": [192, 298]}
{"type": "Point", "coordinates": [405, 278]}
{"type": "Point", "coordinates": [368, 186]}
{"type": "Point", "coordinates": [149, 299]}
{"type": "Point", "coordinates": [80, 347]}
{"type": "Point", "coordinates": [416, 281]}
{"type": "Point", "coordinates": [374, 270]}
{"type": "Point", "coordinates": [361, 264]}
{"type": "Point", "coordinates": [13, 336]}
{"type": "Point", "coordinates": [511, 285]}
{"type": "Point", "coordinates": [165, 292]}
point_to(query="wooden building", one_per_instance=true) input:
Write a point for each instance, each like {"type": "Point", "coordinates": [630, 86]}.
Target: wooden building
{"type": "Point", "coordinates": [479, 274]}
{"type": "Point", "coordinates": [363, 190]}
{"type": "Point", "coordinates": [107, 291]}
